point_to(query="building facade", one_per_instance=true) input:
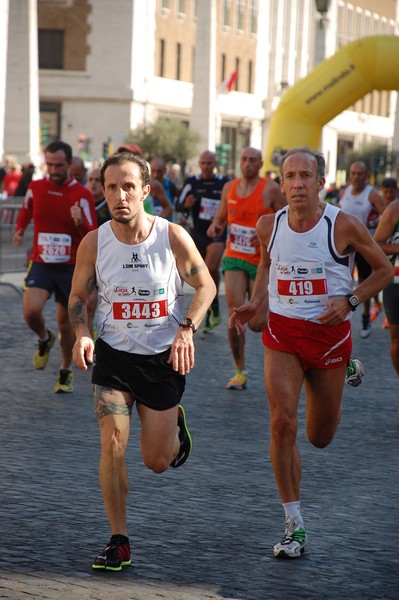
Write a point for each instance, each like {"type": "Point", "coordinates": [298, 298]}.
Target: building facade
{"type": "Point", "coordinates": [89, 71]}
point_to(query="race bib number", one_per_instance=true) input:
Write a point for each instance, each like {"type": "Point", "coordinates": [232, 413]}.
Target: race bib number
{"type": "Point", "coordinates": [302, 283]}
{"type": "Point", "coordinates": [240, 238]}
{"type": "Point", "coordinates": [208, 208]}
{"type": "Point", "coordinates": [139, 307]}
{"type": "Point", "coordinates": [54, 247]}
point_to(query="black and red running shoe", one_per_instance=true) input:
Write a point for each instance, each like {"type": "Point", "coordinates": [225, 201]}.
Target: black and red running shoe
{"type": "Point", "coordinates": [186, 442]}
{"type": "Point", "coordinates": [114, 556]}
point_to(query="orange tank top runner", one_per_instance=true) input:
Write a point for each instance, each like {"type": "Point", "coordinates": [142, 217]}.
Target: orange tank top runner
{"type": "Point", "coordinates": [242, 216]}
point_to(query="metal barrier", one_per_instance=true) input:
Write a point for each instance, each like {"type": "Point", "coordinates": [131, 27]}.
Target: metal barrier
{"type": "Point", "coordinates": [13, 259]}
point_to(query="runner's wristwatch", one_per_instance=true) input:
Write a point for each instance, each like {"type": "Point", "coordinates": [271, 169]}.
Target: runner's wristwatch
{"type": "Point", "coordinates": [353, 301]}
{"type": "Point", "coordinates": [187, 323]}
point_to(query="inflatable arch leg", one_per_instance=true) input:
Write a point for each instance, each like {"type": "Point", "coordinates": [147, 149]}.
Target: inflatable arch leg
{"type": "Point", "coordinates": [338, 82]}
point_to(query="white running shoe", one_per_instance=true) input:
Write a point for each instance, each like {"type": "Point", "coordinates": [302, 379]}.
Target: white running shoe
{"type": "Point", "coordinates": [366, 330]}
{"type": "Point", "coordinates": [354, 372]}
{"type": "Point", "coordinates": [294, 542]}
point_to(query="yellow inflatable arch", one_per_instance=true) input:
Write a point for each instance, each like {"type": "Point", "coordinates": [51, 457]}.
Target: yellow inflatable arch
{"type": "Point", "coordinates": [367, 64]}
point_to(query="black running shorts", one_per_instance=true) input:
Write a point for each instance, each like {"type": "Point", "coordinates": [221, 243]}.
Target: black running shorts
{"type": "Point", "coordinates": [55, 278]}
{"type": "Point", "coordinates": [149, 378]}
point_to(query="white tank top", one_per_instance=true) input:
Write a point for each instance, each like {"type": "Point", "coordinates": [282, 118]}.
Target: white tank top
{"type": "Point", "coordinates": [306, 268]}
{"type": "Point", "coordinates": [359, 206]}
{"type": "Point", "coordinates": [140, 291]}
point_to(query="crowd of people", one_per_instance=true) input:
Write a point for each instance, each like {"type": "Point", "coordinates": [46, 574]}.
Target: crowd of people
{"type": "Point", "coordinates": [115, 245]}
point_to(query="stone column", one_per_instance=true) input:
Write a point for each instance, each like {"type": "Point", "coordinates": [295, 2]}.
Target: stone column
{"type": "Point", "coordinates": [21, 129]}
{"type": "Point", "coordinates": [203, 113]}
{"type": "Point", "coordinates": [3, 68]}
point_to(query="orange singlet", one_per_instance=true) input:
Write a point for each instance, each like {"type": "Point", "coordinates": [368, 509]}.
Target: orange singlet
{"type": "Point", "coordinates": [242, 216]}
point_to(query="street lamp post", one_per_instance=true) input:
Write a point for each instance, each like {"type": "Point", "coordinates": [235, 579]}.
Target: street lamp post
{"type": "Point", "coordinates": [322, 7]}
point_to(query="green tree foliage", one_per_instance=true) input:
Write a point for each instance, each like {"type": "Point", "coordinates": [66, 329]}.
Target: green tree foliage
{"type": "Point", "coordinates": [168, 138]}
{"type": "Point", "coordinates": [378, 158]}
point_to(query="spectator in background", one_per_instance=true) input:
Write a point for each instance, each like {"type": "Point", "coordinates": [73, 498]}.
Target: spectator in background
{"type": "Point", "coordinates": [332, 194]}
{"type": "Point", "coordinates": [12, 176]}
{"type": "Point", "coordinates": [78, 170]}
{"type": "Point", "coordinates": [102, 211]}
{"type": "Point", "coordinates": [28, 170]}
{"type": "Point", "coordinates": [174, 175]}
{"type": "Point", "coordinates": [158, 172]}
{"type": "Point", "coordinates": [389, 190]}
{"type": "Point", "coordinates": [100, 203]}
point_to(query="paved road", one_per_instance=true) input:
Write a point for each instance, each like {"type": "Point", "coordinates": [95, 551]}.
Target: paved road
{"type": "Point", "coordinates": [205, 531]}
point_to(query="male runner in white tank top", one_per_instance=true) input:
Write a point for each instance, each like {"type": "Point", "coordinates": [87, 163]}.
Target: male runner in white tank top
{"type": "Point", "coordinates": [307, 252]}
{"type": "Point", "coordinates": [145, 347]}
{"type": "Point", "coordinates": [363, 201]}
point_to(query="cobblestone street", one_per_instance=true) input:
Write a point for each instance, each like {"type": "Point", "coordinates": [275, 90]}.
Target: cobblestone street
{"type": "Point", "coordinates": [205, 531]}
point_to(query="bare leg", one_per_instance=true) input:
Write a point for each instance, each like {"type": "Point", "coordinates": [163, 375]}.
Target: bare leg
{"type": "Point", "coordinates": [324, 388]}
{"type": "Point", "coordinates": [67, 336]}
{"type": "Point", "coordinates": [237, 287]}
{"type": "Point", "coordinates": [283, 381]}
{"type": "Point", "coordinates": [113, 409]}
{"type": "Point", "coordinates": [394, 347]}
{"type": "Point", "coordinates": [159, 437]}
{"type": "Point", "coordinates": [213, 256]}
{"type": "Point", "coordinates": [33, 302]}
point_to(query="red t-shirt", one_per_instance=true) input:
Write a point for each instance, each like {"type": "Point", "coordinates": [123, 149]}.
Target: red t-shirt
{"type": "Point", "coordinates": [11, 180]}
{"type": "Point", "coordinates": [56, 237]}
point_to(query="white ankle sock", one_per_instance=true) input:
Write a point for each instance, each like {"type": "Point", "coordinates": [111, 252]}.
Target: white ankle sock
{"type": "Point", "coordinates": [293, 511]}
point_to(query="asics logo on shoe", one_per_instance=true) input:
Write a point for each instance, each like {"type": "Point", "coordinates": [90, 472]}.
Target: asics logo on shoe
{"type": "Point", "coordinates": [178, 460]}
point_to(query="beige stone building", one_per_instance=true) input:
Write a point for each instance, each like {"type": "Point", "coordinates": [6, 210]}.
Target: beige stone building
{"type": "Point", "coordinates": [88, 71]}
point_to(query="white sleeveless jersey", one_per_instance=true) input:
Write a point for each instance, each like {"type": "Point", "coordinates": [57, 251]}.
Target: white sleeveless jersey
{"type": "Point", "coordinates": [140, 291]}
{"type": "Point", "coordinates": [306, 268]}
{"type": "Point", "coordinates": [359, 206]}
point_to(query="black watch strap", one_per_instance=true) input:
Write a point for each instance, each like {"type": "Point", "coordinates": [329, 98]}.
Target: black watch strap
{"type": "Point", "coordinates": [353, 301]}
{"type": "Point", "coordinates": [187, 323]}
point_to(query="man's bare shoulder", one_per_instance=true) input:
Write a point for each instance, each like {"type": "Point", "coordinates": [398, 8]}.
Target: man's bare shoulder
{"type": "Point", "coordinates": [89, 242]}
{"type": "Point", "coordinates": [392, 209]}
{"type": "Point", "coordinates": [178, 235]}
{"type": "Point", "coordinates": [264, 227]}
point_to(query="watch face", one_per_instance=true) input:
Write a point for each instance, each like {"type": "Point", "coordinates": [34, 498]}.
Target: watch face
{"type": "Point", "coordinates": [354, 300]}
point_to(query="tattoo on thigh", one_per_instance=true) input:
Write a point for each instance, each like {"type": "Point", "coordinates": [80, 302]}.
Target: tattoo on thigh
{"type": "Point", "coordinates": [108, 402]}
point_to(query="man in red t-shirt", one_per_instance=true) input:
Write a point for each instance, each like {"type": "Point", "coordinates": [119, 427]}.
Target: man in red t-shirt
{"type": "Point", "coordinates": [63, 212]}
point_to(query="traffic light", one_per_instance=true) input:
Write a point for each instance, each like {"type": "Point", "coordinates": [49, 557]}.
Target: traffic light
{"type": "Point", "coordinates": [222, 154]}
{"type": "Point", "coordinates": [105, 150]}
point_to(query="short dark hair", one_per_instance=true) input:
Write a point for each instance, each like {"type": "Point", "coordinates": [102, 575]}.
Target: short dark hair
{"type": "Point", "coordinates": [389, 182]}
{"type": "Point", "coordinates": [321, 163]}
{"type": "Point", "coordinates": [58, 145]}
{"type": "Point", "coordinates": [122, 157]}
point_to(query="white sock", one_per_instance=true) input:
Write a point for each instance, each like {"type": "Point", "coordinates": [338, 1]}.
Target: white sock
{"type": "Point", "coordinates": [293, 511]}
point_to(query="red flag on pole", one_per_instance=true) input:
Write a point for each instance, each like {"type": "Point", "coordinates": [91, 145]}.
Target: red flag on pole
{"type": "Point", "coordinates": [232, 81]}
{"type": "Point", "coordinates": [228, 84]}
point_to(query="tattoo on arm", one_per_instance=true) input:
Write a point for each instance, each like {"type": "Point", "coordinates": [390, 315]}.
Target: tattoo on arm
{"type": "Point", "coordinates": [194, 271]}
{"type": "Point", "coordinates": [76, 314]}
